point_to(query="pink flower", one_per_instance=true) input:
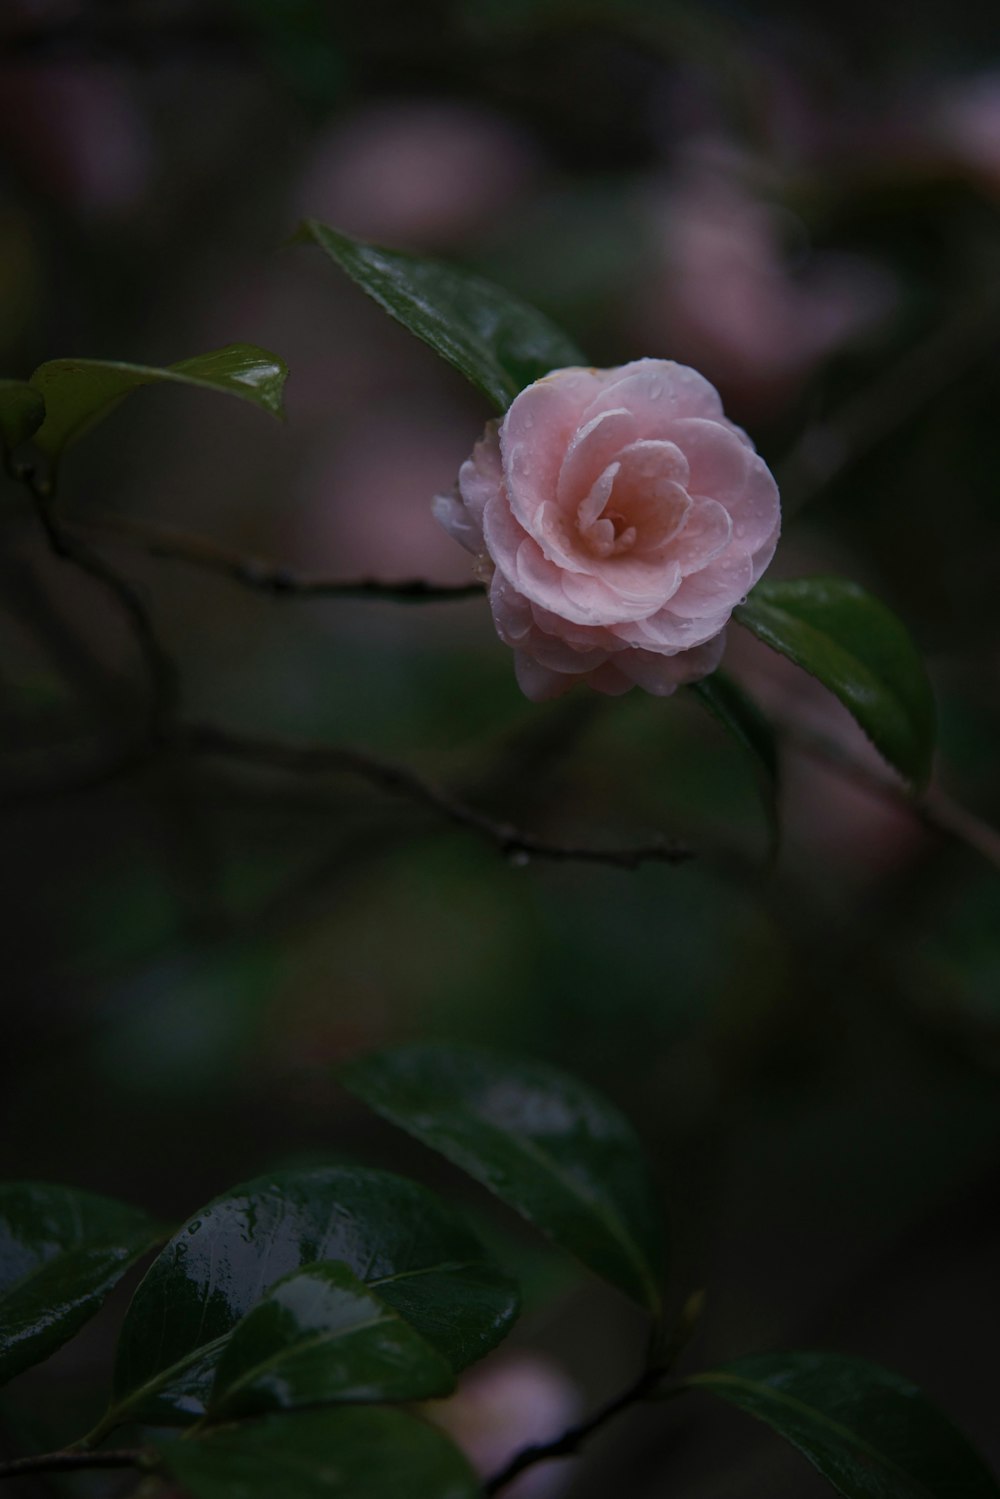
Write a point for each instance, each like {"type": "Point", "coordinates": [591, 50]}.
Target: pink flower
{"type": "Point", "coordinates": [619, 517]}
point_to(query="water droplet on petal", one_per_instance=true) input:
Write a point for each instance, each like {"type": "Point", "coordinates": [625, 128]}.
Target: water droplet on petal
{"type": "Point", "coordinates": [655, 390]}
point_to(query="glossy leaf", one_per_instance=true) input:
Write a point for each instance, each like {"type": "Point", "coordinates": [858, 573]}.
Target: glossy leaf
{"type": "Point", "coordinates": [348, 1452]}
{"type": "Point", "coordinates": [498, 342]}
{"type": "Point", "coordinates": [61, 1252]}
{"type": "Point", "coordinates": [321, 1335]}
{"type": "Point", "coordinates": [22, 411]}
{"type": "Point", "coordinates": [547, 1145]}
{"type": "Point", "coordinates": [78, 393]}
{"type": "Point", "coordinates": [860, 650]}
{"type": "Point", "coordinates": [867, 1430]}
{"type": "Point", "coordinates": [740, 715]}
{"type": "Point", "coordinates": [395, 1235]}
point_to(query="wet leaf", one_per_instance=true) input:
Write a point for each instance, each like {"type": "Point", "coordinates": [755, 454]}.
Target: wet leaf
{"type": "Point", "coordinates": [347, 1452]}
{"type": "Point", "coordinates": [397, 1237]}
{"type": "Point", "coordinates": [22, 411]}
{"type": "Point", "coordinates": [869, 1431]}
{"type": "Point", "coordinates": [321, 1335]}
{"type": "Point", "coordinates": [859, 650]}
{"type": "Point", "coordinates": [78, 393]}
{"type": "Point", "coordinates": [61, 1252]}
{"type": "Point", "coordinates": [498, 342]}
{"type": "Point", "coordinates": [555, 1150]}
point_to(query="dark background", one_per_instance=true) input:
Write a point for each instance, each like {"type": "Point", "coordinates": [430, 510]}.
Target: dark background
{"type": "Point", "coordinates": [806, 209]}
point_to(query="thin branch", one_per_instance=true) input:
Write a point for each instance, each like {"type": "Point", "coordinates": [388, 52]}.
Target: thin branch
{"type": "Point", "coordinates": [659, 1366]}
{"type": "Point", "coordinates": [70, 548]}
{"type": "Point", "coordinates": [71, 1461]}
{"type": "Point", "coordinates": [573, 1437]}
{"type": "Point", "coordinates": [519, 845]}
{"type": "Point", "coordinates": [266, 577]}
{"type": "Point", "coordinates": [92, 775]}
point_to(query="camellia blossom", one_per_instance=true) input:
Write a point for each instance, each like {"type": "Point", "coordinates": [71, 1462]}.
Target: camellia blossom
{"type": "Point", "coordinates": [618, 517]}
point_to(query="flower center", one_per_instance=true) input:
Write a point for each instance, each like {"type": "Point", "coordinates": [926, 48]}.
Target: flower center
{"type": "Point", "coordinates": [604, 530]}
{"type": "Point", "coordinates": [609, 535]}
{"type": "Point", "coordinates": [634, 506]}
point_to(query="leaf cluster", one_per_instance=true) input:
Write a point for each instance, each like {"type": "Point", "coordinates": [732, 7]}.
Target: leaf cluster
{"type": "Point", "coordinates": [288, 1325]}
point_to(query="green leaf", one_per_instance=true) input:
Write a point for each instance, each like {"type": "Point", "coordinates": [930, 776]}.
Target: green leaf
{"type": "Point", "coordinates": [22, 411]}
{"type": "Point", "coordinates": [860, 650]}
{"type": "Point", "coordinates": [867, 1430]}
{"type": "Point", "coordinates": [79, 393]}
{"type": "Point", "coordinates": [350, 1452]}
{"type": "Point", "coordinates": [550, 1147]}
{"type": "Point", "coordinates": [321, 1335]}
{"type": "Point", "coordinates": [396, 1236]}
{"type": "Point", "coordinates": [740, 715]}
{"type": "Point", "coordinates": [61, 1252]}
{"type": "Point", "coordinates": [498, 342]}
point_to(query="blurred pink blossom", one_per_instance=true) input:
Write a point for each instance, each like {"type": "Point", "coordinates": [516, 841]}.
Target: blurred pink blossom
{"type": "Point", "coordinates": [724, 296]}
{"type": "Point", "coordinates": [967, 124]}
{"type": "Point", "coordinates": [417, 172]}
{"type": "Point", "coordinates": [78, 132]}
{"type": "Point", "coordinates": [365, 497]}
{"type": "Point", "coordinates": [504, 1405]}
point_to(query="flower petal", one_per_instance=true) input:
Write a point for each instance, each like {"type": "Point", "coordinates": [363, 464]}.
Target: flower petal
{"type": "Point", "coordinates": [657, 392]}
{"type": "Point", "coordinates": [669, 633]}
{"type": "Point", "coordinates": [593, 447]}
{"type": "Point", "coordinates": [481, 476]}
{"type": "Point", "coordinates": [725, 469]}
{"type": "Point", "coordinates": [535, 435]}
{"type": "Point", "coordinates": [707, 531]}
{"type": "Point", "coordinates": [661, 675]}
{"type": "Point", "coordinates": [718, 586]}
{"type": "Point", "coordinates": [449, 511]}
{"type": "Point", "coordinates": [538, 683]}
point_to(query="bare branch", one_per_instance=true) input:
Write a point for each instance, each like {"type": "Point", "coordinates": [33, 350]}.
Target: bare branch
{"type": "Point", "coordinates": [519, 845]}
{"type": "Point", "coordinates": [649, 1382]}
{"type": "Point", "coordinates": [574, 1436]}
{"type": "Point", "coordinates": [265, 577]}
{"type": "Point", "coordinates": [72, 1460]}
{"type": "Point", "coordinates": [160, 670]}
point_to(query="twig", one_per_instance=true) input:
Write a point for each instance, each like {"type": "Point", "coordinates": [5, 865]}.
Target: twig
{"type": "Point", "coordinates": [518, 844]}
{"type": "Point", "coordinates": [70, 1461]}
{"type": "Point", "coordinates": [64, 544]}
{"type": "Point", "coordinates": [574, 1436]}
{"type": "Point", "coordinates": [266, 577]}
{"type": "Point", "coordinates": [656, 1371]}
